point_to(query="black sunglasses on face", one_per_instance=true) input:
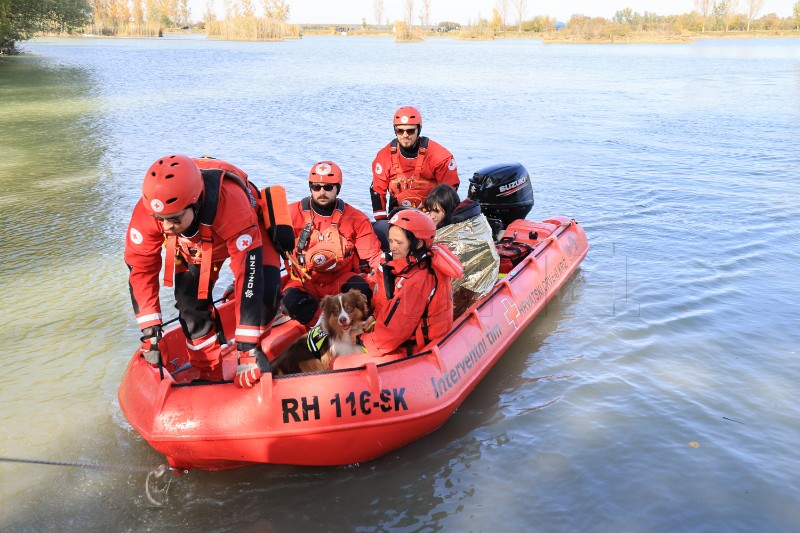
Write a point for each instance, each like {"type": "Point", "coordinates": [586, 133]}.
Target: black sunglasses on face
{"type": "Point", "coordinates": [316, 187]}
{"type": "Point", "coordinates": [409, 131]}
{"type": "Point", "coordinates": [175, 220]}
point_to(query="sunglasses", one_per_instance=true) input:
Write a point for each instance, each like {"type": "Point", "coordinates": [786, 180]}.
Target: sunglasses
{"type": "Point", "coordinates": [316, 187]}
{"type": "Point", "coordinates": [405, 131]}
{"type": "Point", "coordinates": [175, 220]}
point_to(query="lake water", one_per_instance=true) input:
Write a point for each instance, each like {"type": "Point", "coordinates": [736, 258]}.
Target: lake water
{"type": "Point", "coordinates": [658, 392]}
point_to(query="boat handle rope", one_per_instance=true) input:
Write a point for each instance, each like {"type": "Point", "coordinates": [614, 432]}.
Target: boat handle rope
{"type": "Point", "coordinates": [157, 496]}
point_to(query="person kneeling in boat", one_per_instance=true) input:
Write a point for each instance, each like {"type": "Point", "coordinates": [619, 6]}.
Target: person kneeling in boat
{"type": "Point", "coordinates": [333, 238]}
{"type": "Point", "coordinates": [466, 232]}
{"type": "Point", "coordinates": [203, 217]}
{"type": "Point", "coordinates": [412, 299]}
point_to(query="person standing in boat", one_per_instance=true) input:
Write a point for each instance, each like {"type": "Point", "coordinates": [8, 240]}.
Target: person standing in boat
{"type": "Point", "coordinates": [465, 231]}
{"type": "Point", "coordinates": [413, 303]}
{"type": "Point", "coordinates": [203, 217]}
{"type": "Point", "coordinates": [407, 169]}
{"type": "Point", "coordinates": [333, 239]}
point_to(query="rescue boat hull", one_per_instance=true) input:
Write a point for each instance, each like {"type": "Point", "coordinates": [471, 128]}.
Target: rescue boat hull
{"type": "Point", "coordinates": [368, 405]}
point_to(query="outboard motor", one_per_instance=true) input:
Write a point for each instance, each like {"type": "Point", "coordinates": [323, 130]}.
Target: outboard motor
{"type": "Point", "coordinates": [505, 194]}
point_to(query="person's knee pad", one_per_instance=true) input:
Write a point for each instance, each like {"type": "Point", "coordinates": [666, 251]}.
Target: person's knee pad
{"type": "Point", "coordinates": [300, 305]}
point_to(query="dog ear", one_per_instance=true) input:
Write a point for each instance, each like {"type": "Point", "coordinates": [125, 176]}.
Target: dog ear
{"type": "Point", "coordinates": [329, 304]}
{"type": "Point", "coordinates": [361, 301]}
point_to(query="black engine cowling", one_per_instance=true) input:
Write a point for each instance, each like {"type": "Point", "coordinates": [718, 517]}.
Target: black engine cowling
{"type": "Point", "coordinates": [504, 191]}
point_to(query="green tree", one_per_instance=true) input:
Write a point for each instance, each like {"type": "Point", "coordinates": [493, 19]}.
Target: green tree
{"type": "Point", "coordinates": [496, 24]}
{"type": "Point", "coordinates": [719, 13]}
{"type": "Point", "coordinates": [796, 13]}
{"type": "Point", "coordinates": [21, 19]}
{"type": "Point", "coordinates": [624, 16]}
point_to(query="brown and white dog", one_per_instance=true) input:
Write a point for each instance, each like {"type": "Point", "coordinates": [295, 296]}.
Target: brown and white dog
{"type": "Point", "coordinates": [342, 319]}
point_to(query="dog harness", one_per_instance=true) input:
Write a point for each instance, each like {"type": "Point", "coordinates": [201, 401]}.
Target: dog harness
{"type": "Point", "coordinates": [315, 338]}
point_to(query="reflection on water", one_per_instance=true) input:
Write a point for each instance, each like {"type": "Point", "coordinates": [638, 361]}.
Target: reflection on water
{"type": "Point", "coordinates": [57, 323]}
{"type": "Point", "coordinates": [679, 160]}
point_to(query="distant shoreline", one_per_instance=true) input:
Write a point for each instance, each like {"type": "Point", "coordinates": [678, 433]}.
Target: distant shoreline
{"type": "Point", "coordinates": [643, 37]}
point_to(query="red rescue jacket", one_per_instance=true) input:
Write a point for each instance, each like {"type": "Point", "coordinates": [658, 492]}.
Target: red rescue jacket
{"type": "Point", "coordinates": [334, 244]}
{"type": "Point", "coordinates": [421, 308]}
{"type": "Point", "coordinates": [408, 181]}
{"type": "Point", "coordinates": [228, 228]}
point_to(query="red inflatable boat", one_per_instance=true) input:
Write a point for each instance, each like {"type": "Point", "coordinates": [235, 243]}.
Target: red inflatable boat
{"type": "Point", "coordinates": [364, 408]}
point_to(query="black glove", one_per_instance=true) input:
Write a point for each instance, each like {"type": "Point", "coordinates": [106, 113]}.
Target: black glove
{"type": "Point", "coordinates": [282, 237]}
{"type": "Point", "coordinates": [149, 344]}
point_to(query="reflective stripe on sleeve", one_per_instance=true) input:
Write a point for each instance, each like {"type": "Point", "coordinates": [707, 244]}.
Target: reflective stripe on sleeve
{"type": "Point", "coordinates": [148, 318]}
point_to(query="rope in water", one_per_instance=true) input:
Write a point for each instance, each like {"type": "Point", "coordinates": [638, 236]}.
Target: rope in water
{"type": "Point", "coordinates": [157, 496]}
{"type": "Point", "coordinates": [97, 466]}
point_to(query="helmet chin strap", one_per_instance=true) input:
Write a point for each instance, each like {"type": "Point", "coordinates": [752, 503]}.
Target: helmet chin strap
{"type": "Point", "coordinates": [195, 225]}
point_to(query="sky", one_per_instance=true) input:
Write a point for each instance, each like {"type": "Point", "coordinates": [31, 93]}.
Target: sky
{"type": "Point", "coordinates": [464, 11]}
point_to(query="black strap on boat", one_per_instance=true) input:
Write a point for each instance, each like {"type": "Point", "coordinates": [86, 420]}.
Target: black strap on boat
{"type": "Point", "coordinates": [409, 344]}
{"type": "Point", "coordinates": [425, 328]}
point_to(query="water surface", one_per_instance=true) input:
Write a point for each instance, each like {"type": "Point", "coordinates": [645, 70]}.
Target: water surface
{"type": "Point", "coordinates": [658, 392]}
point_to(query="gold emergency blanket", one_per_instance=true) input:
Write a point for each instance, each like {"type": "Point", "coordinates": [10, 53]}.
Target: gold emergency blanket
{"type": "Point", "coordinates": [471, 241]}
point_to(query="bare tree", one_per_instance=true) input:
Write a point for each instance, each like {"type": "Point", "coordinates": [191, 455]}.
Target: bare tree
{"type": "Point", "coordinates": [137, 12]}
{"type": "Point", "coordinates": [275, 9]}
{"type": "Point", "coordinates": [502, 9]}
{"type": "Point", "coordinates": [426, 12]}
{"type": "Point", "coordinates": [210, 13]}
{"type": "Point", "coordinates": [247, 7]}
{"type": "Point", "coordinates": [703, 7]}
{"type": "Point", "coordinates": [184, 12]}
{"type": "Point", "coordinates": [231, 7]}
{"type": "Point", "coordinates": [155, 12]}
{"type": "Point", "coordinates": [520, 6]}
{"type": "Point", "coordinates": [170, 9]}
{"type": "Point", "coordinates": [754, 7]}
{"type": "Point", "coordinates": [409, 12]}
{"type": "Point", "coordinates": [377, 6]}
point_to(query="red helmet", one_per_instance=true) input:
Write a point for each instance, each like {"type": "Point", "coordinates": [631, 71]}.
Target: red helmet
{"type": "Point", "coordinates": [326, 172]}
{"type": "Point", "coordinates": [408, 115]}
{"type": "Point", "coordinates": [417, 222]}
{"type": "Point", "coordinates": [171, 184]}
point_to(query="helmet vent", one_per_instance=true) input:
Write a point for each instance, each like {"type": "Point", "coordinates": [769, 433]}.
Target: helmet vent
{"type": "Point", "coordinates": [169, 176]}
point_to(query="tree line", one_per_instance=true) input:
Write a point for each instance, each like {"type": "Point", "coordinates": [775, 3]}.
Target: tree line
{"type": "Point", "coordinates": [266, 19]}
{"type": "Point", "coordinates": [22, 19]}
